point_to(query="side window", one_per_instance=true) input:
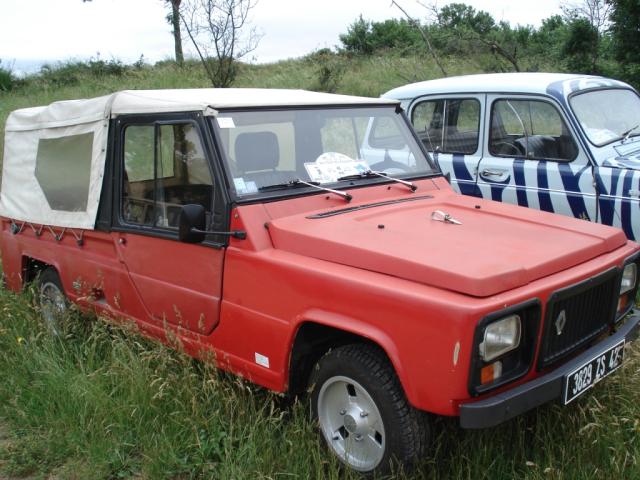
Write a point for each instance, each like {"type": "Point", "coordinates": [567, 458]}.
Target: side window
{"type": "Point", "coordinates": [448, 125]}
{"type": "Point", "coordinates": [164, 168]}
{"type": "Point", "coordinates": [63, 171]}
{"type": "Point", "coordinates": [530, 128]}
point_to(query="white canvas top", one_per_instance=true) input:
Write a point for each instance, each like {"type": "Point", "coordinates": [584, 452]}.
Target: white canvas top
{"type": "Point", "coordinates": [54, 155]}
{"type": "Point", "coordinates": [74, 112]}
{"type": "Point", "coordinates": [135, 101]}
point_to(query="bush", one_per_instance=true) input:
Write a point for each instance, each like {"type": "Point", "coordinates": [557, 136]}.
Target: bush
{"type": "Point", "coordinates": [364, 37]}
{"type": "Point", "coordinates": [7, 80]}
{"type": "Point", "coordinates": [70, 72]}
{"type": "Point", "coordinates": [330, 69]}
{"type": "Point", "coordinates": [579, 49]}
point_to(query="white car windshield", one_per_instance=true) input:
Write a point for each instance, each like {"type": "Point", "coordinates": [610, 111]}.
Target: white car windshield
{"type": "Point", "coordinates": [265, 149]}
{"type": "Point", "coordinates": [607, 115]}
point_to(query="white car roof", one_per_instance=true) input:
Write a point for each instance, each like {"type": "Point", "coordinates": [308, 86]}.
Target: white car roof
{"type": "Point", "coordinates": [70, 112]}
{"type": "Point", "coordinates": [537, 83]}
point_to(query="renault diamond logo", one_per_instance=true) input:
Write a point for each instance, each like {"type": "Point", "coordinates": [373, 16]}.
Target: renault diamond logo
{"type": "Point", "coordinates": [561, 321]}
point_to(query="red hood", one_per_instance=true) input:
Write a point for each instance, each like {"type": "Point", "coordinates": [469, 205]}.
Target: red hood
{"type": "Point", "coordinates": [498, 246]}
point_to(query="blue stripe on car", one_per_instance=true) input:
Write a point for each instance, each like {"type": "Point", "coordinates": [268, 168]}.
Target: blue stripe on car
{"type": "Point", "coordinates": [571, 183]}
{"type": "Point", "coordinates": [518, 177]}
{"type": "Point", "coordinates": [543, 185]}
{"type": "Point", "coordinates": [466, 181]}
{"type": "Point", "coordinates": [607, 205]}
{"type": "Point", "coordinates": [625, 209]}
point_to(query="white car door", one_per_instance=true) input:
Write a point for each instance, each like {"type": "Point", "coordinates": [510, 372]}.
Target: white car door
{"type": "Point", "coordinates": [450, 128]}
{"type": "Point", "coordinates": [531, 158]}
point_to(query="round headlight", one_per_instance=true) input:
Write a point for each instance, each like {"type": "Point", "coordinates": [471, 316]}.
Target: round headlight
{"type": "Point", "coordinates": [629, 277]}
{"type": "Point", "coordinates": [501, 337]}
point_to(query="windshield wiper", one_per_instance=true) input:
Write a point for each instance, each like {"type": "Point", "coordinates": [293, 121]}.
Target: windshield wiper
{"type": "Point", "coordinates": [371, 174]}
{"type": "Point", "coordinates": [301, 183]}
{"type": "Point", "coordinates": [626, 134]}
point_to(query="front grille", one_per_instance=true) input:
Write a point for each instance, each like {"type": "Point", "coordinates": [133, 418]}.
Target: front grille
{"type": "Point", "coordinates": [589, 310]}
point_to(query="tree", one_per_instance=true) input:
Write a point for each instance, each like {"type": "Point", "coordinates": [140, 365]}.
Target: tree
{"type": "Point", "coordinates": [587, 23]}
{"type": "Point", "coordinates": [625, 19]}
{"type": "Point", "coordinates": [548, 40]}
{"type": "Point", "coordinates": [578, 48]}
{"type": "Point", "coordinates": [174, 19]}
{"type": "Point", "coordinates": [596, 12]}
{"type": "Point", "coordinates": [219, 31]}
{"type": "Point", "coordinates": [364, 37]}
{"type": "Point", "coordinates": [459, 15]}
{"type": "Point", "coordinates": [358, 38]}
{"type": "Point", "coordinates": [478, 29]}
{"type": "Point", "coordinates": [425, 37]}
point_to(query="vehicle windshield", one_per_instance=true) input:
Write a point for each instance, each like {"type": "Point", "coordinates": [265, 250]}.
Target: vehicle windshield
{"type": "Point", "coordinates": [266, 148]}
{"type": "Point", "coordinates": [607, 115]}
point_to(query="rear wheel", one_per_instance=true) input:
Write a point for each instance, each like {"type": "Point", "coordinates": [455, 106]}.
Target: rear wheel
{"type": "Point", "coordinates": [54, 306]}
{"type": "Point", "coordinates": [362, 411]}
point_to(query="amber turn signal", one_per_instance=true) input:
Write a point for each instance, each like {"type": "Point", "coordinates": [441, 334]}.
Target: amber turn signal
{"type": "Point", "coordinates": [623, 302]}
{"type": "Point", "coordinates": [490, 373]}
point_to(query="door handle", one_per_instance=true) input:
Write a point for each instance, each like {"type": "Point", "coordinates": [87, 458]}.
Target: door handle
{"type": "Point", "coordinates": [492, 173]}
{"type": "Point", "coordinates": [495, 175]}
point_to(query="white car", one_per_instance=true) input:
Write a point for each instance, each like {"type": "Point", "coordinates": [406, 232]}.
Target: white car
{"type": "Point", "coordinates": [568, 144]}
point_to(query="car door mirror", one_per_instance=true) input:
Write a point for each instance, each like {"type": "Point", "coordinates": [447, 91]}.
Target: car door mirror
{"type": "Point", "coordinates": [192, 224]}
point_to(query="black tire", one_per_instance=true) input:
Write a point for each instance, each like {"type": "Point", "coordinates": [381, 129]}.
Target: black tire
{"type": "Point", "coordinates": [54, 306]}
{"type": "Point", "coordinates": [364, 371]}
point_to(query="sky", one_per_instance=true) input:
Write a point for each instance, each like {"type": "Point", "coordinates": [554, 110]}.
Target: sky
{"type": "Point", "coordinates": [33, 32]}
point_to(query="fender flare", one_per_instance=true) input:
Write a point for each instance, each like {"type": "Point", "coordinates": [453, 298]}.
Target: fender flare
{"type": "Point", "coordinates": [358, 328]}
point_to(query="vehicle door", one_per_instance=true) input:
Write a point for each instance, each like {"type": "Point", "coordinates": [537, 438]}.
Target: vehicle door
{"type": "Point", "coordinates": [449, 127]}
{"type": "Point", "coordinates": [532, 159]}
{"type": "Point", "coordinates": [164, 163]}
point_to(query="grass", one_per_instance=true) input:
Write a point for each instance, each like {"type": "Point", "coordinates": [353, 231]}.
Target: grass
{"type": "Point", "coordinates": [105, 403]}
{"type": "Point", "coordinates": [101, 402]}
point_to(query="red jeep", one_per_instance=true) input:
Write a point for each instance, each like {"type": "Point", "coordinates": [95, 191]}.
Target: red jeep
{"type": "Point", "coordinates": [284, 233]}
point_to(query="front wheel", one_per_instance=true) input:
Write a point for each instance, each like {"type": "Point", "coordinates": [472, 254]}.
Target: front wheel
{"type": "Point", "coordinates": [53, 303]}
{"type": "Point", "coordinates": [362, 411]}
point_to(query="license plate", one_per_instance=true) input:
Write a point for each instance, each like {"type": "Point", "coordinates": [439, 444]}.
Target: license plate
{"type": "Point", "coordinates": [591, 372]}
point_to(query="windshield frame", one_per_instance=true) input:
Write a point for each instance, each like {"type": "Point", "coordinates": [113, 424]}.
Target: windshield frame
{"type": "Point", "coordinates": [591, 90]}
{"type": "Point", "coordinates": [273, 195]}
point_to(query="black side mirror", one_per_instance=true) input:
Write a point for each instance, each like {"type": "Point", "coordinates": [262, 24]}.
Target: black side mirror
{"type": "Point", "coordinates": [192, 224]}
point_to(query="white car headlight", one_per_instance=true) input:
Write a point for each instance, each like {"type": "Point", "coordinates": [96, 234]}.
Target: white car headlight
{"type": "Point", "coordinates": [629, 277]}
{"type": "Point", "coordinates": [501, 337]}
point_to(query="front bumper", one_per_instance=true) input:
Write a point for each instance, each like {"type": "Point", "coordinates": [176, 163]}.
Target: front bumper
{"type": "Point", "coordinates": [511, 403]}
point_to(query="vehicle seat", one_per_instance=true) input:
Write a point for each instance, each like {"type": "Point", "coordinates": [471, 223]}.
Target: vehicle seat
{"type": "Point", "coordinates": [460, 142]}
{"type": "Point", "coordinates": [257, 157]}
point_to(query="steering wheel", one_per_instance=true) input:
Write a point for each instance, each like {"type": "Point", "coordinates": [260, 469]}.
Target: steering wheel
{"type": "Point", "coordinates": [507, 148]}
